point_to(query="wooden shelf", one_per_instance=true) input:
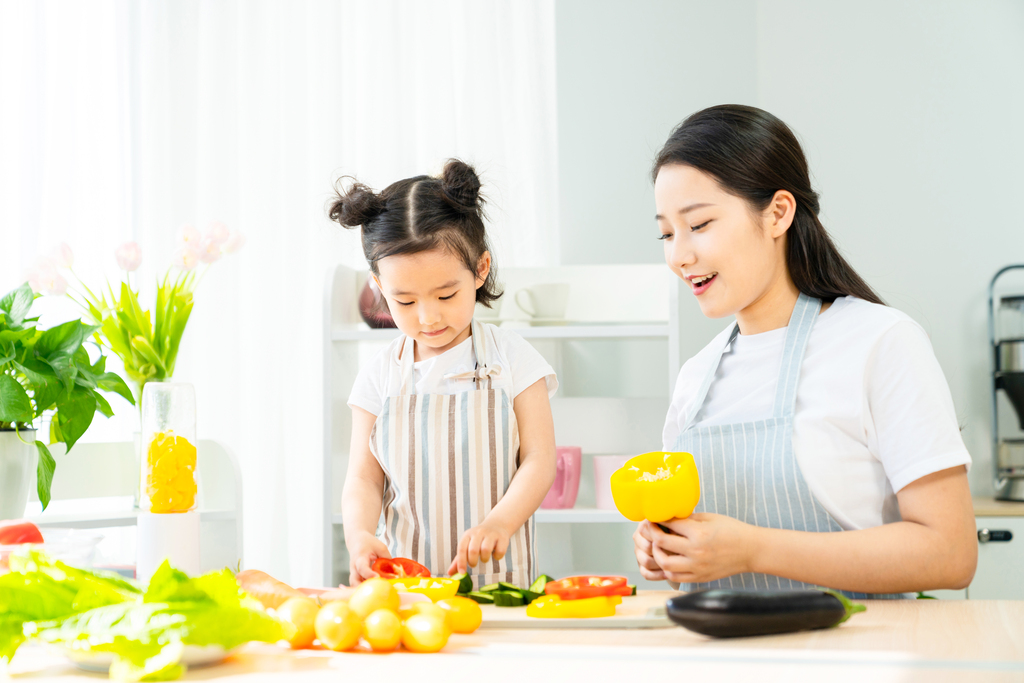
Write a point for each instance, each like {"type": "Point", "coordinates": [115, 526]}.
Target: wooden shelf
{"type": "Point", "coordinates": [595, 331]}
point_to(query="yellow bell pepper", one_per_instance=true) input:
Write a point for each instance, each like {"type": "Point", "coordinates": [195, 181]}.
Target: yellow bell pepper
{"type": "Point", "coordinates": [657, 487]}
{"type": "Point", "coordinates": [553, 607]}
{"type": "Point", "coordinates": [436, 588]}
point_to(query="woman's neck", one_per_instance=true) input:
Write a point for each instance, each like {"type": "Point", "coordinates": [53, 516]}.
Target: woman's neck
{"type": "Point", "coordinates": [772, 309]}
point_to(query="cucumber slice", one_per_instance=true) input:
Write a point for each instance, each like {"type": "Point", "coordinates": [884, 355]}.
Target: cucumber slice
{"type": "Point", "coordinates": [465, 583]}
{"type": "Point", "coordinates": [508, 599]}
{"type": "Point", "coordinates": [634, 589]}
{"type": "Point", "coordinates": [530, 596]}
{"type": "Point", "coordinates": [490, 588]}
{"type": "Point", "coordinates": [538, 585]}
{"type": "Point", "coordinates": [482, 598]}
{"type": "Point", "coordinates": [502, 586]}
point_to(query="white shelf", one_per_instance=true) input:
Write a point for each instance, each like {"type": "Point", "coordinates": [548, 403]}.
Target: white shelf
{"type": "Point", "coordinates": [595, 331]}
{"type": "Point", "coordinates": [571, 516]}
{"type": "Point", "coordinates": [115, 518]}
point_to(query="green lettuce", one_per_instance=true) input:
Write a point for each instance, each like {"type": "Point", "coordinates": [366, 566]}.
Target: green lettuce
{"type": "Point", "coordinates": [145, 632]}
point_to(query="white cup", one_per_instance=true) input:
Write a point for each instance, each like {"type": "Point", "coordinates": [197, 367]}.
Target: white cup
{"type": "Point", "coordinates": [545, 302]}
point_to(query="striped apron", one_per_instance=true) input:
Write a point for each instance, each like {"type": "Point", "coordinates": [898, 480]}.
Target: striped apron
{"type": "Point", "coordinates": [748, 470]}
{"type": "Point", "coordinates": [447, 461]}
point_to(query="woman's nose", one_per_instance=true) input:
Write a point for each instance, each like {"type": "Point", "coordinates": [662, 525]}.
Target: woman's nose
{"type": "Point", "coordinates": [680, 252]}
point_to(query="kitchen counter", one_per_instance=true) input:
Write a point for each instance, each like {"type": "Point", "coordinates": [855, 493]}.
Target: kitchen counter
{"type": "Point", "coordinates": [905, 641]}
{"type": "Point", "coordinates": [990, 507]}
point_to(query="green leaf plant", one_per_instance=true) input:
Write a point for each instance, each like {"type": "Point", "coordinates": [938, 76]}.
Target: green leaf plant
{"type": "Point", "coordinates": [50, 372]}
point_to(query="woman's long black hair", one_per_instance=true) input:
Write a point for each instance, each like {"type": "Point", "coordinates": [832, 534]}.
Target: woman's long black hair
{"type": "Point", "coordinates": [753, 155]}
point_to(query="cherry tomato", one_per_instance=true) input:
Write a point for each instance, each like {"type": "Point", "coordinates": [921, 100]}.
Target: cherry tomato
{"type": "Point", "coordinates": [424, 633]}
{"type": "Point", "coordinates": [337, 627]}
{"type": "Point", "coordinates": [372, 595]}
{"type": "Point", "coordinates": [464, 614]}
{"type": "Point", "coordinates": [428, 608]}
{"type": "Point", "coordinates": [382, 630]}
{"type": "Point", "coordinates": [16, 531]}
{"type": "Point", "coordinates": [300, 613]}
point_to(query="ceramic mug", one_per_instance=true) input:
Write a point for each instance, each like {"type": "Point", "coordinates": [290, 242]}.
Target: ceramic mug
{"type": "Point", "coordinates": [562, 494]}
{"type": "Point", "coordinates": [544, 301]}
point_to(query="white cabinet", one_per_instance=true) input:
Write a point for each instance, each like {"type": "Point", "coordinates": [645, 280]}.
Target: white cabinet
{"type": "Point", "coordinates": [616, 356]}
{"type": "Point", "coordinates": [1000, 574]}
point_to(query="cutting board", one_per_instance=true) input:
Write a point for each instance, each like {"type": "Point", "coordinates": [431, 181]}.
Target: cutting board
{"type": "Point", "coordinates": [638, 611]}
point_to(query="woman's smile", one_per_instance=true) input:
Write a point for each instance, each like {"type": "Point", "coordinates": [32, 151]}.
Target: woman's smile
{"type": "Point", "coordinates": [700, 283]}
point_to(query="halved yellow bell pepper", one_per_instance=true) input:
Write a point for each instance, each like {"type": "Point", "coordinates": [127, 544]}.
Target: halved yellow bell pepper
{"type": "Point", "coordinates": [553, 607]}
{"type": "Point", "coordinates": [435, 588]}
{"type": "Point", "coordinates": [656, 486]}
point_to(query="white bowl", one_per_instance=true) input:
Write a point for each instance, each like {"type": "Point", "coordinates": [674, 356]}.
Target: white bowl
{"type": "Point", "coordinates": [99, 662]}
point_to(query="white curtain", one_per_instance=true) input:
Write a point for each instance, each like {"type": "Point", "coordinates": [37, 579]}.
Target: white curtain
{"type": "Point", "coordinates": [246, 112]}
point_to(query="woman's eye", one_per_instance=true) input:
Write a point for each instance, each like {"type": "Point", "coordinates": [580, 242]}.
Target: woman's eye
{"type": "Point", "coordinates": [698, 227]}
{"type": "Point", "coordinates": [445, 298]}
{"type": "Point", "coordinates": [665, 236]}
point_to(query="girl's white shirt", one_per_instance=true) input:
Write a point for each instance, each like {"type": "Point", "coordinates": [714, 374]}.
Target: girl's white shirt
{"type": "Point", "coordinates": [519, 363]}
{"type": "Point", "coordinates": [873, 409]}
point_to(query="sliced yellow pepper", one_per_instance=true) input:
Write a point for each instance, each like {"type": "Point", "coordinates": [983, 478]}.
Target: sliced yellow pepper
{"type": "Point", "coordinates": [656, 486]}
{"type": "Point", "coordinates": [553, 607]}
{"type": "Point", "coordinates": [436, 588]}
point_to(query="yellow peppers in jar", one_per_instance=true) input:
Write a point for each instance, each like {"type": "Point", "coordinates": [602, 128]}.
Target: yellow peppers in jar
{"type": "Point", "coordinates": [170, 473]}
{"type": "Point", "coordinates": [657, 487]}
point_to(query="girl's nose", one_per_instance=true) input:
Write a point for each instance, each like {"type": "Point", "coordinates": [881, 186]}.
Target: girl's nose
{"type": "Point", "coordinates": [429, 314]}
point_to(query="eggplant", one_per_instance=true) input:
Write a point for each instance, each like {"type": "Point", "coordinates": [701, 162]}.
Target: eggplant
{"type": "Point", "coordinates": [731, 614]}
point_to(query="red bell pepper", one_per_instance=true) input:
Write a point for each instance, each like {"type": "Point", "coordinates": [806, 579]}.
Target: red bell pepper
{"type": "Point", "coordinates": [579, 587]}
{"type": "Point", "coordinates": [399, 568]}
{"type": "Point", "coordinates": [15, 531]}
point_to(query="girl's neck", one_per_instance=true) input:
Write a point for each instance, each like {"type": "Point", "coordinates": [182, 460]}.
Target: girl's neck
{"type": "Point", "coordinates": [423, 352]}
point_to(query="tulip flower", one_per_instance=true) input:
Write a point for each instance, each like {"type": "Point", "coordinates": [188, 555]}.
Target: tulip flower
{"type": "Point", "coordinates": [41, 275]}
{"type": "Point", "coordinates": [62, 256]}
{"type": "Point", "coordinates": [209, 251]}
{"type": "Point", "coordinates": [217, 233]}
{"type": "Point", "coordinates": [185, 258]}
{"type": "Point", "coordinates": [188, 236]}
{"type": "Point", "coordinates": [235, 242]}
{"type": "Point", "coordinates": [129, 256]}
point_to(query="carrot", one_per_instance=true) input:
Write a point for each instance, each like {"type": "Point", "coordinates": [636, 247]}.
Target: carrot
{"type": "Point", "coordinates": [265, 588]}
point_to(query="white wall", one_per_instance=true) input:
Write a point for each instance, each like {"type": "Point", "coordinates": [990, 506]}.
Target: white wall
{"type": "Point", "coordinates": [909, 112]}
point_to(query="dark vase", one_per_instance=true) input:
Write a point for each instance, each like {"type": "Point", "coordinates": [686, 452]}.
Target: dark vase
{"type": "Point", "coordinates": [372, 307]}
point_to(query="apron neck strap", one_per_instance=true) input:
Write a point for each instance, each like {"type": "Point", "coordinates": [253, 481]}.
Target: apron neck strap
{"type": "Point", "coordinates": [408, 359]}
{"type": "Point", "coordinates": [480, 348]}
{"type": "Point", "coordinates": [805, 313]}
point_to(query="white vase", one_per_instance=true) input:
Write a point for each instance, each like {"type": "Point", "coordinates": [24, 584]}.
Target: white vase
{"type": "Point", "coordinates": [17, 471]}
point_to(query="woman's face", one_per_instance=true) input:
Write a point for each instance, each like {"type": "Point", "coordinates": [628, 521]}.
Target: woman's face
{"type": "Point", "coordinates": [730, 258]}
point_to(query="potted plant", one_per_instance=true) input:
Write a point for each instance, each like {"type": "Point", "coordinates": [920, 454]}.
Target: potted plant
{"type": "Point", "coordinates": [44, 372]}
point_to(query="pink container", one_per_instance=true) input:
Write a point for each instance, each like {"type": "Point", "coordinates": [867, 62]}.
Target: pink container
{"type": "Point", "coordinates": [604, 466]}
{"type": "Point", "coordinates": [562, 494]}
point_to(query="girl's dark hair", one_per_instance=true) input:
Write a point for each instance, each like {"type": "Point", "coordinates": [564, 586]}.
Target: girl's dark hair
{"type": "Point", "coordinates": [419, 214]}
{"type": "Point", "coordinates": [753, 155]}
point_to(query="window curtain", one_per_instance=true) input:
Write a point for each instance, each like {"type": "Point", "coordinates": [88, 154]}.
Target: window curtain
{"type": "Point", "coordinates": [246, 113]}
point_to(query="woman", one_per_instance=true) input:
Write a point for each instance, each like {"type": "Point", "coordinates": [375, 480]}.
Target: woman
{"type": "Point", "coordinates": [820, 410]}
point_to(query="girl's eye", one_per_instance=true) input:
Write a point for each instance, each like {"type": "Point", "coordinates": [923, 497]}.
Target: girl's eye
{"type": "Point", "coordinates": [404, 303]}
{"type": "Point", "coordinates": [698, 227]}
{"type": "Point", "coordinates": [445, 298]}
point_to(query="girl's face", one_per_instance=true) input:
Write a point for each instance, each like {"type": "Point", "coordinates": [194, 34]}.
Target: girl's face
{"type": "Point", "coordinates": [432, 296]}
{"type": "Point", "coordinates": [733, 261]}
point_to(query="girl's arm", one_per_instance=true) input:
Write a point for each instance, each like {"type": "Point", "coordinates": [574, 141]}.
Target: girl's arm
{"type": "Point", "coordinates": [361, 500]}
{"type": "Point", "coordinates": [528, 487]}
{"type": "Point", "coordinates": [935, 546]}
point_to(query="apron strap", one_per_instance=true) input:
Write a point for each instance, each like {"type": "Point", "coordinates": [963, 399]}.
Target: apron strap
{"type": "Point", "coordinates": [805, 313]}
{"type": "Point", "coordinates": [709, 378]}
{"type": "Point", "coordinates": [408, 359]}
{"type": "Point", "coordinates": [482, 374]}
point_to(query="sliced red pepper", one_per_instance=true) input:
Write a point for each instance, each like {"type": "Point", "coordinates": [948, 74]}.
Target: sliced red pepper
{"type": "Point", "coordinates": [15, 531]}
{"type": "Point", "coordinates": [580, 587]}
{"type": "Point", "coordinates": [399, 568]}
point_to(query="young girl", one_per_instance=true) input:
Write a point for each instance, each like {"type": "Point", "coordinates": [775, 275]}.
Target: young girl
{"type": "Point", "coordinates": [821, 410]}
{"type": "Point", "coordinates": [452, 436]}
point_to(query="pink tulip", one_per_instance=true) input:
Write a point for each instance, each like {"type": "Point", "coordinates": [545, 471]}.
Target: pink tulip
{"type": "Point", "coordinates": [58, 286]}
{"type": "Point", "coordinates": [209, 251]}
{"type": "Point", "coordinates": [217, 233]}
{"type": "Point", "coordinates": [188, 236]}
{"type": "Point", "coordinates": [185, 258]}
{"type": "Point", "coordinates": [235, 242]}
{"type": "Point", "coordinates": [62, 256]}
{"type": "Point", "coordinates": [129, 256]}
{"type": "Point", "coordinates": [41, 274]}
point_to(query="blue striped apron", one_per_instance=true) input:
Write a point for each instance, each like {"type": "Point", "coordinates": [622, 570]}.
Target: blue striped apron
{"type": "Point", "coordinates": [447, 461]}
{"type": "Point", "coordinates": [748, 470]}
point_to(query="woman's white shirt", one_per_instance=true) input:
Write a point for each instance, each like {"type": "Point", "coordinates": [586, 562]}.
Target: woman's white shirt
{"type": "Point", "coordinates": [520, 366]}
{"type": "Point", "coordinates": [873, 409]}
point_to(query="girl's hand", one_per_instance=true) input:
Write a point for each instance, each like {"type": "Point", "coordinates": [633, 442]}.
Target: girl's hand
{"type": "Point", "coordinates": [364, 549]}
{"type": "Point", "coordinates": [703, 547]}
{"type": "Point", "coordinates": [649, 567]}
{"type": "Point", "coordinates": [479, 545]}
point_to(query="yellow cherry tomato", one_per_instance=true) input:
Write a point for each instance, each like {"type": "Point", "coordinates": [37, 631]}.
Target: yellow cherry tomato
{"type": "Point", "coordinates": [428, 608]}
{"type": "Point", "coordinates": [382, 630]}
{"type": "Point", "coordinates": [372, 595]}
{"type": "Point", "coordinates": [424, 633]}
{"type": "Point", "coordinates": [300, 613]}
{"type": "Point", "coordinates": [337, 627]}
{"type": "Point", "coordinates": [464, 614]}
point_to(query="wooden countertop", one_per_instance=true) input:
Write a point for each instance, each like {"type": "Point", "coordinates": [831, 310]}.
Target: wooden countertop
{"type": "Point", "coordinates": [904, 641]}
{"type": "Point", "coordinates": [990, 507]}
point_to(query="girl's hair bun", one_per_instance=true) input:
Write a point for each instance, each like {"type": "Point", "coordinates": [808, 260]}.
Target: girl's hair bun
{"type": "Point", "coordinates": [461, 186]}
{"type": "Point", "coordinates": [358, 205]}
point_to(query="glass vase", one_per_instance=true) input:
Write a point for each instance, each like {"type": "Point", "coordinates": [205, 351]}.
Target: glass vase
{"type": "Point", "coordinates": [168, 482]}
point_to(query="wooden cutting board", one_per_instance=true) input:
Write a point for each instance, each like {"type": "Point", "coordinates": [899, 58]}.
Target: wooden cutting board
{"type": "Point", "coordinates": [644, 610]}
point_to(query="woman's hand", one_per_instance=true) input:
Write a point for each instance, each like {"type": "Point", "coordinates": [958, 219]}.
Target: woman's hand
{"type": "Point", "coordinates": [364, 549]}
{"type": "Point", "coordinates": [703, 547]}
{"type": "Point", "coordinates": [480, 544]}
{"type": "Point", "coordinates": [649, 568]}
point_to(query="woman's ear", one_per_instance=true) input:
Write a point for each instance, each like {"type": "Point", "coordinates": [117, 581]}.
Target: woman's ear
{"type": "Point", "coordinates": [483, 269]}
{"type": "Point", "coordinates": [780, 213]}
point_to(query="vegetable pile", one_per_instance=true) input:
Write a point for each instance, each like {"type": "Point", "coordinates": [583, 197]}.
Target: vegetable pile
{"type": "Point", "coordinates": [48, 601]}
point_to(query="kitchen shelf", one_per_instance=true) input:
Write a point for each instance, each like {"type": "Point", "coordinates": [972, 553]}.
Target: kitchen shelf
{"type": "Point", "coordinates": [579, 516]}
{"type": "Point", "coordinates": [111, 519]}
{"type": "Point", "coordinates": [571, 331]}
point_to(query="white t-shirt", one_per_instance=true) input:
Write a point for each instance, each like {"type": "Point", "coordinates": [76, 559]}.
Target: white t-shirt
{"type": "Point", "coordinates": [873, 410]}
{"type": "Point", "coordinates": [520, 366]}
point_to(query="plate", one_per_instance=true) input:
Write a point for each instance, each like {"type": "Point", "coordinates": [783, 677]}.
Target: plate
{"type": "Point", "coordinates": [99, 662]}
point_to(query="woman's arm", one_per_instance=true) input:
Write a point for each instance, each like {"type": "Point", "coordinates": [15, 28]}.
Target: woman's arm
{"type": "Point", "coordinates": [361, 500]}
{"type": "Point", "coordinates": [528, 487]}
{"type": "Point", "coordinates": [934, 546]}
